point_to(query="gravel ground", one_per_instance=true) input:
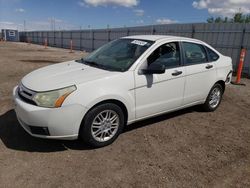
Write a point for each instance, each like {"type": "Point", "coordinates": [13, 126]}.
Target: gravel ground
{"type": "Point", "coordinates": [188, 148]}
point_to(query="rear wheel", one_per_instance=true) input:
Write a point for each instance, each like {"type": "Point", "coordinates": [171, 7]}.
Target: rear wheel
{"type": "Point", "coordinates": [102, 125]}
{"type": "Point", "coordinates": [214, 98]}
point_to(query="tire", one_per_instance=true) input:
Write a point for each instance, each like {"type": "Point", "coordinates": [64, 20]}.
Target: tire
{"type": "Point", "coordinates": [102, 125]}
{"type": "Point", "coordinates": [214, 98]}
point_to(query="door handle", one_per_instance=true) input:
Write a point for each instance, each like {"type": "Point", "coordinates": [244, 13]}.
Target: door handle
{"type": "Point", "coordinates": [209, 66]}
{"type": "Point", "coordinates": [176, 73]}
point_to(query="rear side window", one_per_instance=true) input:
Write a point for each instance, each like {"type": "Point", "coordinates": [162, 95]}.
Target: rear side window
{"type": "Point", "coordinates": [213, 56]}
{"type": "Point", "coordinates": [194, 53]}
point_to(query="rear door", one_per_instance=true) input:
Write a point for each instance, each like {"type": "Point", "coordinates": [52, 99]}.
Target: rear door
{"type": "Point", "coordinates": [200, 72]}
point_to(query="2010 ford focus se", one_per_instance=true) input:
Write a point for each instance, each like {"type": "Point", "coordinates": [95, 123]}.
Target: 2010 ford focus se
{"type": "Point", "coordinates": [126, 80]}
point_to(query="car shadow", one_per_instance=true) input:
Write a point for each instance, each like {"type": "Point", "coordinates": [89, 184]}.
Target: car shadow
{"type": "Point", "coordinates": [14, 137]}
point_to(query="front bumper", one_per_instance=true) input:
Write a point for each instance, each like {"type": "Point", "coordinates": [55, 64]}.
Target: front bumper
{"type": "Point", "coordinates": [57, 123]}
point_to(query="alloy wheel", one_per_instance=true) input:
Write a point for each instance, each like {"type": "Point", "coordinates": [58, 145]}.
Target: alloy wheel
{"type": "Point", "coordinates": [215, 97]}
{"type": "Point", "coordinates": [105, 125]}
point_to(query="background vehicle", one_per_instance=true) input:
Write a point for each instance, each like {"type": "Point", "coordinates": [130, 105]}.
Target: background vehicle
{"type": "Point", "coordinates": [127, 80]}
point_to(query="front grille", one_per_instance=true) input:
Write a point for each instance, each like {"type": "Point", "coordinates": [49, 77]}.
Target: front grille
{"type": "Point", "coordinates": [39, 130]}
{"type": "Point", "coordinates": [26, 94]}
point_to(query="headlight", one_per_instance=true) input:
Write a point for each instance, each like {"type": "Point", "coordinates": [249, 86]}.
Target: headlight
{"type": "Point", "coordinates": [53, 99]}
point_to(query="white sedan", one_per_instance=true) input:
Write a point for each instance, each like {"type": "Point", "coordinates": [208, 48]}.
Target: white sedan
{"type": "Point", "coordinates": [124, 81]}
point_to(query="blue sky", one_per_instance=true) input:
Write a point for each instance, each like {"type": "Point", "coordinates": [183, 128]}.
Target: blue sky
{"type": "Point", "coordinates": [76, 14]}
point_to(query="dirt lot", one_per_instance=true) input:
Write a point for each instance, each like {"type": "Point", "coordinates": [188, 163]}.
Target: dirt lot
{"type": "Point", "coordinates": [188, 148]}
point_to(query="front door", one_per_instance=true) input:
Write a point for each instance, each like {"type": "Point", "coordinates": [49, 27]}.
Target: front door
{"type": "Point", "coordinates": [157, 93]}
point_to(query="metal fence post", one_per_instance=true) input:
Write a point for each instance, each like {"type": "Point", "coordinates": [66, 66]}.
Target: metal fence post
{"type": "Point", "coordinates": [37, 38]}
{"type": "Point", "coordinates": [32, 37]}
{"type": "Point", "coordinates": [241, 46]}
{"type": "Point", "coordinates": [42, 38]}
{"type": "Point", "coordinates": [80, 40]}
{"type": "Point", "coordinates": [70, 37]}
{"type": "Point", "coordinates": [243, 36]}
{"type": "Point", "coordinates": [62, 39]}
{"type": "Point", "coordinates": [128, 32]}
{"type": "Point", "coordinates": [108, 30]}
{"type": "Point", "coordinates": [54, 38]}
{"type": "Point", "coordinates": [193, 31]}
{"type": "Point", "coordinates": [153, 30]}
{"type": "Point", "coordinates": [48, 39]}
{"type": "Point", "coordinates": [92, 40]}
{"type": "Point", "coordinates": [248, 64]}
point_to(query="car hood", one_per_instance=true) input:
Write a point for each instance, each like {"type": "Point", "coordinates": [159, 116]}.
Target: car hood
{"type": "Point", "coordinates": [62, 75]}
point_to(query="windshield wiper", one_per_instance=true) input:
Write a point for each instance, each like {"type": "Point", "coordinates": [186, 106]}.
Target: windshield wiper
{"type": "Point", "coordinates": [94, 64]}
{"type": "Point", "coordinates": [91, 63]}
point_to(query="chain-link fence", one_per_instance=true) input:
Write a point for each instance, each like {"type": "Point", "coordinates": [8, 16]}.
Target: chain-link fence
{"type": "Point", "coordinates": [228, 38]}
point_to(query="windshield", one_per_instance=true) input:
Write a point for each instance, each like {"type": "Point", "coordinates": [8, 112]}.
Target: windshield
{"type": "Point", "coordinates": [117, 55]}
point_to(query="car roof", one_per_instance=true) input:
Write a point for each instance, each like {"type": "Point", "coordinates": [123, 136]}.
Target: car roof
{"type": "Point", "coordinates": [161, 37]}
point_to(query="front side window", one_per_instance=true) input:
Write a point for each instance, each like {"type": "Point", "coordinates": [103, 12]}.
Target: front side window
{"type": "Point", "coordinates": [167, 55]}
{"type": "Point", "coordinates": [194, 53]}
{"type": "Point", "coordinates": [118, 55]}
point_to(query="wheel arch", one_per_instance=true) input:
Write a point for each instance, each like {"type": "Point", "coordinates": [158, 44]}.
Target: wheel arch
{"type": "Point", "coordinates": [113, 101]}
{"type": "Point", "coordinates": [118, 103]}
{"type": "Point", "coordinates": [222, 83]}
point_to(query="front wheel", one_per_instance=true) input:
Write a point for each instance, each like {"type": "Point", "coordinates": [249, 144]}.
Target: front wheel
{"type": "Point", "coordinates": [214, 98]}
{"type": "Point", "coordinates": [102, 125]}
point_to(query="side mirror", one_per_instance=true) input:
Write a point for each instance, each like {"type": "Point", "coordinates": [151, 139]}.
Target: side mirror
{"type": "Point", "coordinates": [154, 68]}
